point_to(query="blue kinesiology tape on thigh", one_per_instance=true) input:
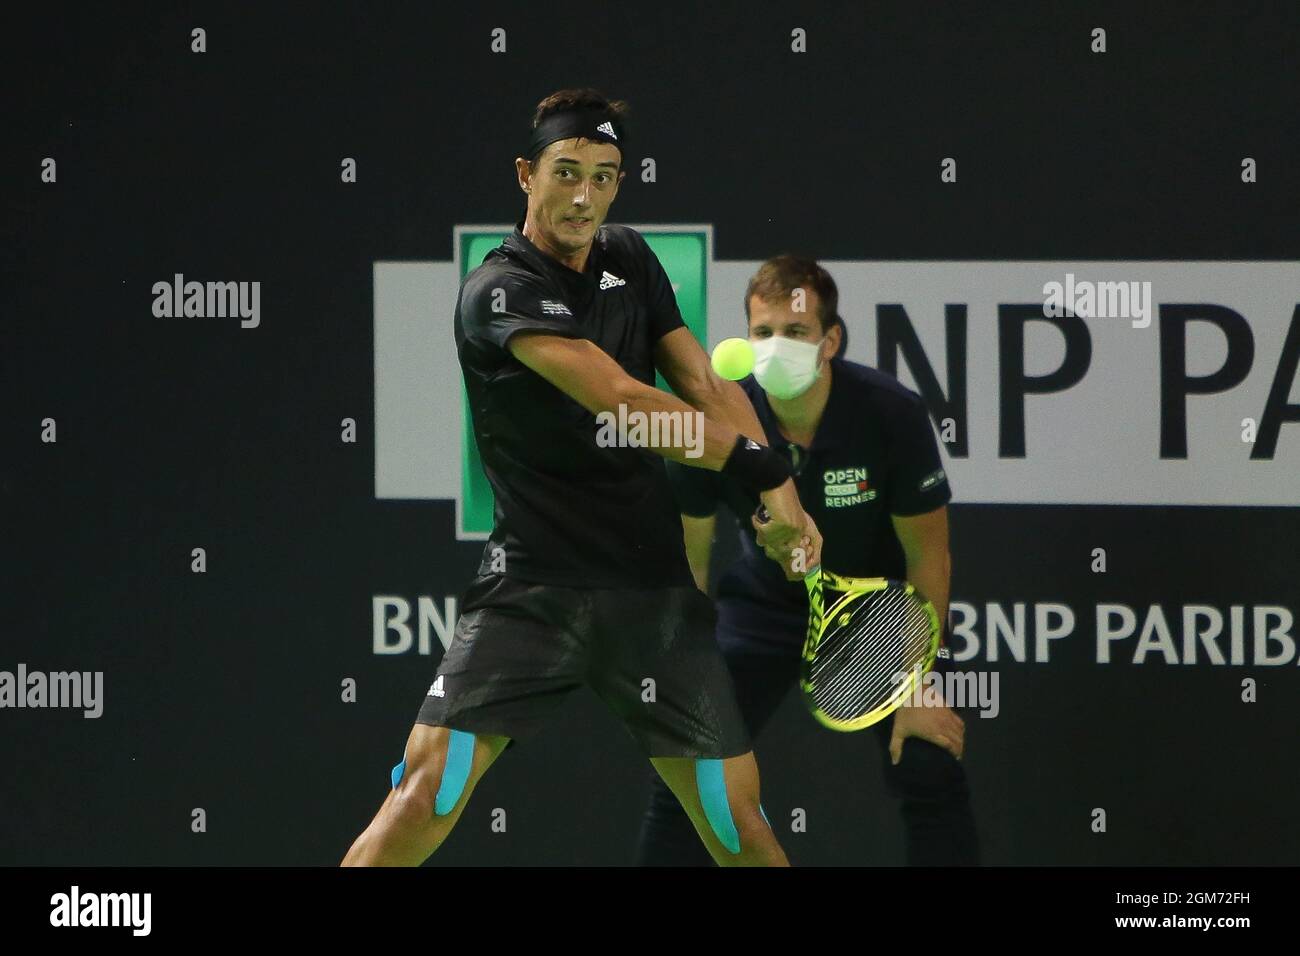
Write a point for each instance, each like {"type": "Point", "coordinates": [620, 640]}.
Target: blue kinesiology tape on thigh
{"type": "Point", "coordinates": [455, 772]}
{"type": "Point", "coordinates": [399, 772]}
{"type": "Point", "coordinates": [764, 812]}
{"type": "Point", "coordinates": [712, 785]}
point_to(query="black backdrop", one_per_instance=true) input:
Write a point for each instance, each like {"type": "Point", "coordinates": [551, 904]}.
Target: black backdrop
{"type": "Point", "coordinates": [222, 688]}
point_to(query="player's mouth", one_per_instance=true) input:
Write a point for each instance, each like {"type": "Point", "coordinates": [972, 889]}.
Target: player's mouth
{"type": "Point", "coordinates": [577, 223]}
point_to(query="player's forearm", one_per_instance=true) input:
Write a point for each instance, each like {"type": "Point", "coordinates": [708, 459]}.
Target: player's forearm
{"type": "Point", "coordinates": [672, 428]}
{"type": "Point", "coordinates": [930, 571]}
{"type": "Point", "coordinates": [726, 402]}
{"type": "Point", "coordinates": [723, 401]}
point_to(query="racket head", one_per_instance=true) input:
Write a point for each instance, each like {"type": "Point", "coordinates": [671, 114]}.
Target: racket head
{"type": "Point", "coordinates": [870, 641]}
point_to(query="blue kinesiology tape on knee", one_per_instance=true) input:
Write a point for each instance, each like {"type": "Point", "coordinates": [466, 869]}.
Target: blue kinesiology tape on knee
{"type": "Point", "coordinates": [455, 772]}
{"type": "Point", "coordinates": [712, 784]}
{"type": "Point", "coordinates": [399, 772]}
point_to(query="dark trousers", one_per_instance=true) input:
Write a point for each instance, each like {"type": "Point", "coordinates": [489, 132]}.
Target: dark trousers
{"type": "Point", "coordinates": [929, 781]}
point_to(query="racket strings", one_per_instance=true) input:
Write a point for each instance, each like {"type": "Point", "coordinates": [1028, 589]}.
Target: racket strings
{"type": "Point", "coordinates": [860, 664]}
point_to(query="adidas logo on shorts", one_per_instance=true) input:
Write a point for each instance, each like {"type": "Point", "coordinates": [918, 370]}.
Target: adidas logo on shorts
{"type": "Point", "coordinates": [436, 689]}
{"type": "Point", "coordinates": [608, 281]}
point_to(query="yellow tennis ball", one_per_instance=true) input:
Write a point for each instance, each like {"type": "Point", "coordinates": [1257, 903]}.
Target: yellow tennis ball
{"type": "Point", "coordinates": [733, 359]}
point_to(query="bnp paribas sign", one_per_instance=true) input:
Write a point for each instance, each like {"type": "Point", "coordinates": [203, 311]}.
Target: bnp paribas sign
{"type": "Point", "coordinates": [424, 440]}
{"type": "Point", "coordinates": [1093, 382]}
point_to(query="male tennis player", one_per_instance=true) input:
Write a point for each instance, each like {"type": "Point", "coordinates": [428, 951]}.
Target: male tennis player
{"type": "Point", "coordinates": [584, 578]}
{"type": "Point", "coordinates": [868, 470]}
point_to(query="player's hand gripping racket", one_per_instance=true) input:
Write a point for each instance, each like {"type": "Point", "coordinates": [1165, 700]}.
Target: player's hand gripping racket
{"type": "Point", "coordinates": [869, 643]}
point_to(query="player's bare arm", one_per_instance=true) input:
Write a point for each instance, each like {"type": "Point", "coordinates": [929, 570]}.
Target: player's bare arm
{"type": "Point", "coordinates": [584, 372]}
{"type": "Point", "coordinates": [686, 367]}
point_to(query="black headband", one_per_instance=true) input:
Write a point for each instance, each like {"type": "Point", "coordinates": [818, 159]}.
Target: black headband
{"type": "Point", "coordinates": [589, 123]}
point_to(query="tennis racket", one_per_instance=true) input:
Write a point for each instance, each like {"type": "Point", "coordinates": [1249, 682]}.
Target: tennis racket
{"type": "Point", "coordinates": [869, 643]}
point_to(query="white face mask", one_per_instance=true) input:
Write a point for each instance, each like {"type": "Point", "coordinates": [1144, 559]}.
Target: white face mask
{"type": "Point", "coordinates": [786, 368]}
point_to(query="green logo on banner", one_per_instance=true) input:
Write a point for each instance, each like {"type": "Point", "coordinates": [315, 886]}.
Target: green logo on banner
{"type": "Point", "coordinates": [684, 254]}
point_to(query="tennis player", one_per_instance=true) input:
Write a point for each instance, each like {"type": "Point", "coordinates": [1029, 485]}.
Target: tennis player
{"type": "Point", "coordinates": [584, 579]}
{"type": "Point", "coordinates": [868, 470]}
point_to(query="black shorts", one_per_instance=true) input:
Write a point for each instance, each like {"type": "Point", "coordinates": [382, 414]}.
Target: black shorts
{"type": "Point", "coordinates": [521, 648]}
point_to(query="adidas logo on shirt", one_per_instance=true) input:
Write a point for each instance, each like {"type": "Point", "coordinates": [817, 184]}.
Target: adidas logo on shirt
{"type": "Point", "coordinates": [607, 128]}
{"type": "Point", "coordinates": [608, 281]}
{"type": "Point", "coordinates": [554, 308]}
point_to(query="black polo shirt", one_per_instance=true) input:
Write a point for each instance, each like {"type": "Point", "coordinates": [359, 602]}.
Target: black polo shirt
{"type": "Point", "coordinates": [874, 455]}
{"type": "Point", "coordinates": [567, 510]}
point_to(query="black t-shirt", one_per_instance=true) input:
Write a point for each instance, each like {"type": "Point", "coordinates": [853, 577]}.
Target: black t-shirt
{"type": "Point", "coordinates": [874, 455]}
{"type": "Point", "coordinates": [567, 510]}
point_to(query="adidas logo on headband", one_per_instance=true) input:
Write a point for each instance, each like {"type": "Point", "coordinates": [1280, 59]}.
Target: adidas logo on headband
{"type": "Point", "coordinates": [607, 128]}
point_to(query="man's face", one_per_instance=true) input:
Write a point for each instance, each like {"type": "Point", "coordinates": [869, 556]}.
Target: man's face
{"type": "Point", "coordinates": [767, 319]}
{"type": "Point", "coordinates": [570, 188]}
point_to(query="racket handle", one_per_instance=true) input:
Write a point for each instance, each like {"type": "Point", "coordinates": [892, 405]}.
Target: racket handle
{"type": "Point", "coordinates": [810, 576]}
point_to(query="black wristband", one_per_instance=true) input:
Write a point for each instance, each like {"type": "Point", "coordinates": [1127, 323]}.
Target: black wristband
{"type": "Point", "coordinates": [754, 467]}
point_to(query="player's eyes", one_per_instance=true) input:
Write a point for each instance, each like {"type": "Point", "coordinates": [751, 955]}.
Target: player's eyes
{"type": "Point", "coordinates": [603, 178]}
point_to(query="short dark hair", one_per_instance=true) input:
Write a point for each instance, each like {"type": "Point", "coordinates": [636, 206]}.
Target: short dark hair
{"type": "Point", "coordinates": [779, 276]}
{"type": "Point", "coordinates": [582, 98]}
